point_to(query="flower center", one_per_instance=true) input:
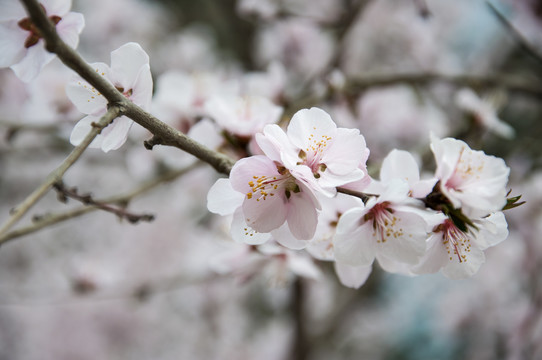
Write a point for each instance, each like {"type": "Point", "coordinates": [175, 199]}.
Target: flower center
{"type": "Point", "coordinates": [264, 186]}
{"type": "Point", "coordinates": [127, 94]}
{"type": "Point", "coordinates": [467, 167]}
{"type": "Point", "coordinates": [35, 35]}
{"type": "Point", "coordinates": [456, 241]}
{"type": "Point", "coordinates": [385, 224]}
{"type": "Point", "coordinates": [311, 156]}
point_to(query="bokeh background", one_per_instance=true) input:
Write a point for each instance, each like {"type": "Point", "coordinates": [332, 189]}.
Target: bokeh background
{"type": "Point", "coordinates": [96, 287]}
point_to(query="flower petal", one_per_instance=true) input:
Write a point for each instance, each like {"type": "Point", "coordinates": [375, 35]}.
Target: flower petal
{"type": "Point", "coordinates": [400, 164]}
{"type": "Point", "coordinates": [126, 62]}
{"type": "Point", "coordinates": [35, 59]}
{"type": "Point", "coordinates": [70, 27]}
{"type": "Point", "coordinates": [12, 40]}
{"type": "Point", "coordinates": [81, 130]}
{"type": "Point", "coordinates": [353, 276]}
{"type": "Point", "coordinates": [142, 89]}
{"type": "Point", "coordinates": [222, 199]}
{"type": "Point", "coordinates": [241, 232]}
{"type": "Point", "coordinates": [310, 125]}
{"type": "Point", "coordinates": [115, 135]}
{"type": "Point", "coordinates": [84, 96]}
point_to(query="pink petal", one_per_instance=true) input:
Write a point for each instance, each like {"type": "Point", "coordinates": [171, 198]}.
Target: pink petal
{"type": "Point", "coordinates": [284, 236]}
{"type": "Point", "coordinates": [245, 169]}
{"type": "Point", "coordinates": [310, 125]}
{"type": "Point", "coordinates": [142, 89]}
{"type": "Point", "coordinates": [115, 135]}
{"type": "Point", "coordinates": [399, 164]}
{"type": "Point", "coordinates": [12, 40]}
{"type": "Point", "coordinates": [241, 232]}
{"type": "Point", "coordinates": [265, 215]}
{"type": "Point", "coordinates": [11, 10]}
{"type": "Point", "coordinates": [346, 151]}
{"type": "Point", "coordinates": [85, 97]}
{"type": "Point", "coordinates": [273, 142]}
{"type": "Point", "coordinates": [126, 63]}
{"type": "Point", "coordinates": [35, 59]}
{"type": "Point", "coordinates": [70, 27]}
{"type": "Point", "coordinates": [353, 244]}
{"type": "Point", "coordinates": [56, 7]}
{"type": "Point", "coordinates": [81, 130]}
{"type": "Point", "coordinates": [222, 199]}
{"type": "Point", "coordinates": [461, 270]}
{"type": "Point", "coordinates": [410, 246]}
{"type": "Point", "coordinates": [353, 276]}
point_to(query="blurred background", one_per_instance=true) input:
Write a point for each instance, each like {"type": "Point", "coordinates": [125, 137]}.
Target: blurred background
{"type": "Point", "coordinates": [93, 286]}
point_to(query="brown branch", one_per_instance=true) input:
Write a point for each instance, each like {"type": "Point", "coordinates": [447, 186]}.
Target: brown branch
{"type": "Point", "coordinates": [71, 192]}
{"type": "Point", "coordinates": [363, 196]}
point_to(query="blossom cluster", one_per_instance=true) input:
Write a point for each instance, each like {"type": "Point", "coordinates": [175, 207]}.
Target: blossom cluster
{"type": "Point", "coordinates": [306, 188]}
{"type": "Point", "coordinates": [309, 188]}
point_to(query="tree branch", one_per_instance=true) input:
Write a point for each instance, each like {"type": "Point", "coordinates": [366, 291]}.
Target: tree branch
{"type": "Point", "coordinates": [508, 83]}
{"type": "Point", "coordinates": [42, 222]}
{"type": "Point", "coordinates": [65, 192]}
{"type": "Point", "coordinates": [56, 175]}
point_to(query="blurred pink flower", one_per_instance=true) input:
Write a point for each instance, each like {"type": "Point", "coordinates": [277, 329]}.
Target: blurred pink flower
{"type": "Point", "coordinates": [21, 45]}
{"type": "Point", "coordinates": [484, 111]}
{"type": "Point", "coordinates": [243, 116]}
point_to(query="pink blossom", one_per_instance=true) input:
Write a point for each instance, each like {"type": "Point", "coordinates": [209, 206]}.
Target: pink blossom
{"type": "Point", "coordinates": [459, 254]}
{"type": "Point", "coordinates": [130, 74]}
{"type": "Point", "coordinates": [274, 262]}
{"type": "Point", "coordinates": [21, 45]}
{"type": "Point", "coordinates": [484, 111]}
{"type": "Point", "coordinates": [390, 227]}
{"type": "Point", "coordinates": [470, 179]}
{"type": "Point", "coordinates": [400, 164]}
{"type": "Point", "coordinates": [271, 197]}
{"type": "Point", "coordinates": [243, 116]}
{"type": "Point", "coordinates": [321, 245]}
{"type": "Point", "coordinates": [314, 150]}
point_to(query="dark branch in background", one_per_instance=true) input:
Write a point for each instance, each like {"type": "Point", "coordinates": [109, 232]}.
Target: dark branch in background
{"type": "Point", "coordinates": [71, 192]}
{"type": "Point", "coordinates": [74, 61]}
{"type": "Point", "coordinates": [300, 346]}
{"type": "Point", "coordinates": [423, 9]}
{"type": "Point", "coordinates": [522, 42]}
{"type": "Point", "coordinates": [355, 86]}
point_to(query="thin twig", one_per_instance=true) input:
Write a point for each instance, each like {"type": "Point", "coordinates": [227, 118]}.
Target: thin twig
{"type": "Point", "coordinates": [518, 37]}
{"type": "Point", "coordinates": [56, 175]}
{"type": "Point", "coordinates": [52, 219]}
{"type": "Point", "coordinates": [363, 196]}
{"type": "Point", "coordinates": [65, 192]}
